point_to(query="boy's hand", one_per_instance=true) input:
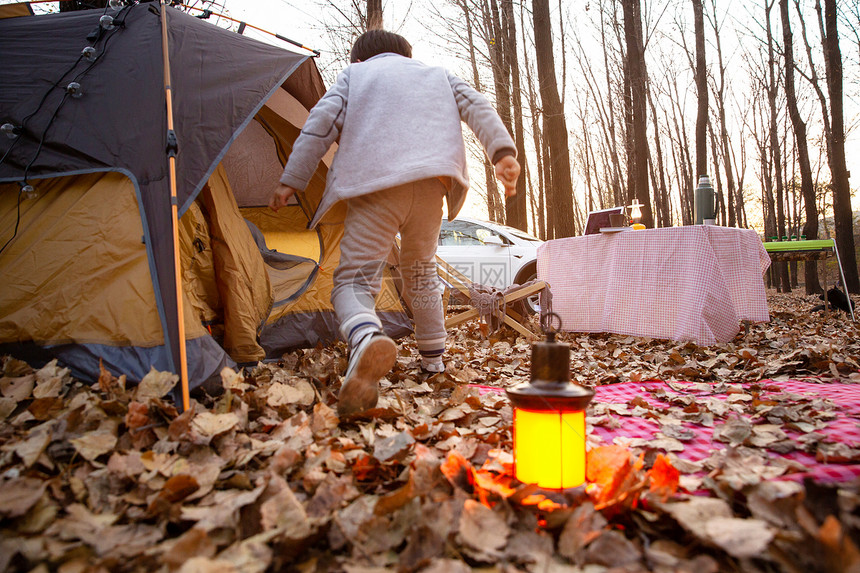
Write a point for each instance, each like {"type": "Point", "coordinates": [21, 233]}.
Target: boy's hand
{"type": "Point", "coordinates": [280, 196]}
{"type": "Point", "coordinates": [508, 171]}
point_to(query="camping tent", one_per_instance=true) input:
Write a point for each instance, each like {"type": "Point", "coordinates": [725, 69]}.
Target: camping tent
{"type": "Point", "coordinates": [88, 264]}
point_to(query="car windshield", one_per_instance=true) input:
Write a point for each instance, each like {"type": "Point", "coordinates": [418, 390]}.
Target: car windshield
{"type": "Point", "coordinates": [463, 233]}
{"type": "Point", "coordinates": [475, 229]}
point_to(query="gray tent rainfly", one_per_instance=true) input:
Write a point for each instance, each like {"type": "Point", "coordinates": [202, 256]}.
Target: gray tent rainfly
{"type": "Point", "coordinates": [88, 98]}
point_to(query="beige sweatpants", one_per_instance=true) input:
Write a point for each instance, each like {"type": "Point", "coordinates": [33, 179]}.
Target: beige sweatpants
{"type": "Point", "coordinates": [415, 211]}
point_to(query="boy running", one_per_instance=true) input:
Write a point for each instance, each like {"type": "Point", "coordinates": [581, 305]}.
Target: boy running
{"type": "Point", "coordinates": [400, 152]}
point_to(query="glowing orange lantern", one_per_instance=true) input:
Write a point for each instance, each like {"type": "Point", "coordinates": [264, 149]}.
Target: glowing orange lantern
{"type": "Point", "coordinates": [549, 420]}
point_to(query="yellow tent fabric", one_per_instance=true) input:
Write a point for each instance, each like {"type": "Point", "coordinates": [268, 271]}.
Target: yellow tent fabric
{"type": "Point", "coordinates": [77, 270]}
{"type": "Point", "coordinates": [241, 276]}
{"type": "Point", "coordinates": [77, 279]}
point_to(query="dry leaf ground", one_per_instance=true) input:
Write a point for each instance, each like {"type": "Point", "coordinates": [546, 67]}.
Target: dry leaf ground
{"type": "Point", "coordinates": [266, 478]}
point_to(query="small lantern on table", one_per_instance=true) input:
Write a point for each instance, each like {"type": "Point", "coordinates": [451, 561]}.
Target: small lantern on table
{"type": "Point", "coordinates": [636, 214]}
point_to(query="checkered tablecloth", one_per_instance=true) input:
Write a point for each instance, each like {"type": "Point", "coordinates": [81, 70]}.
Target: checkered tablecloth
{"type": "Point", "coordinates": [693, 283]}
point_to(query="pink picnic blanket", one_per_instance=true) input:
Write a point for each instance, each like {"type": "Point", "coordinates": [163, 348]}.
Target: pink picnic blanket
{"type": "Point", "coordinates": [844, 428]}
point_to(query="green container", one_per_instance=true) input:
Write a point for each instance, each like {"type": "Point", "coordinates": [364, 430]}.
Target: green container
{"type": "Point", "coordinates": [704, 200]}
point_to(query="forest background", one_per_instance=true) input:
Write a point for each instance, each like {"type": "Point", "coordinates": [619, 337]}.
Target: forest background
{"type": "Point", "coordinates": [612, 102]}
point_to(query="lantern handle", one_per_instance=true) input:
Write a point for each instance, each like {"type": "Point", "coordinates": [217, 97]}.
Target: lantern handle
{"type": "Point", "coordinates": [547, 327]}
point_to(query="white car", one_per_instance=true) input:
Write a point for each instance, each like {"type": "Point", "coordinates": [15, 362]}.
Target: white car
{"type": "Point", "coordinates": [490, 254]}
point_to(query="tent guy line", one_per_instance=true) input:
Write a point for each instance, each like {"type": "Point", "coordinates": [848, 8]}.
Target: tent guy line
{"type": "Point", "coordinates": [206, 13]}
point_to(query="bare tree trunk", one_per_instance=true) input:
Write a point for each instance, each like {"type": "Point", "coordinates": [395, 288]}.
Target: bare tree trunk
{"type": "Point", "coordinates": [812, 78]}
{"type": "Point", "coordinates": [661, 196]}
{"type": "Point", "coordinates": [639, 115]}
{"type": "Point", "coordinates": [772, 92]}
{"type": "Point", "coordinates": [562, 35]}
{"type": "Point", "coordinates": [720, 101]}
{"type": "Point", "coordinates": [739, 164]}
{"type": "Point", "coordinates": [842, 215]}
{"type": "Point", "coordinates": [685, 173]}
{"type": "Point", "coordinates": [492, 193]}
{"type": "Point", "coordinates": [627, 123]}
{"type": "Point", "coordinates": [493, 36]}
{"type": "Point", "coordinates": [607, 117]}
{"type": "Point", "coordinates": [720, 207]}
{"type": "Point", "coordinates": [515, 207]}
{"type": "Point", "coordinates": [701, 91]}
{"type": "Point", "coordinates": [585, 159]}
{"type": "Point", "coordinates": [547, 193]}
{"type": "Point", "coordinates": [560, 197]}
{"type": "Point", "coordinates": [807, 191]}
{"type": "Point", "coordinates": [374, 15]}
{"type": "Point", "coordinates": [537, 137]}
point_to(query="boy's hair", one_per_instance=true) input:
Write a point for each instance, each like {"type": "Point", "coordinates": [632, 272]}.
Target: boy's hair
{"type": "Point", "coordinates": [375, 42]}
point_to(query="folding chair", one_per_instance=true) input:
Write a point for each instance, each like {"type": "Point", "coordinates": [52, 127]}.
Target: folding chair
{"type": "Point", "coordinates": [454, 279]}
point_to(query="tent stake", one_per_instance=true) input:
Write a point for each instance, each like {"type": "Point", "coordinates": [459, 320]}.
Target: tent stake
{"type": "Point", "coordinates": [174, 209]}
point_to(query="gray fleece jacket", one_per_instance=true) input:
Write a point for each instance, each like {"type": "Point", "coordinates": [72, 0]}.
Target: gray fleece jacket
{"type": "Point", "coordinates": [398, 121]}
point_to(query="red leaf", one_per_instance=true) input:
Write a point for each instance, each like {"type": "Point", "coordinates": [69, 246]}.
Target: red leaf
{"type": "Point", "coordinates": [664, 477]}
{"type": "Point", "coordinates": [364, 468]}
{"type": "Point", "coordinates": [175, 490]}
{"type": "Point", "coordinates": [615, 472]}
{"type": "Point", "coordinates": [459, 471]}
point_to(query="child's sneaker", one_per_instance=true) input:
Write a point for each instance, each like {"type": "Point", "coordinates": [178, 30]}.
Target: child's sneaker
{"type": "Point", "coordinates": [432, 365]}
{"type": "Point", "coordinates": [370, 360]}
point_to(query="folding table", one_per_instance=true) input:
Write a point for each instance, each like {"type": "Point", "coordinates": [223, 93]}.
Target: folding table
{"type": "Point", "coordinates": [812, 250]}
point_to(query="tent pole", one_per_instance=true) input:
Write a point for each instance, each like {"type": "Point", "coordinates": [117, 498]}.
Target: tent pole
{"type": "Point", "coordinates": [174, 209]}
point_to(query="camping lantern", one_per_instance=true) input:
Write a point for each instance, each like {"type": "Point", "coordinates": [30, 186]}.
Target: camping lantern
{"type": "Point", "coordinates": [549, 419]}
{"type": "Point", "coordinates": [636, 214]}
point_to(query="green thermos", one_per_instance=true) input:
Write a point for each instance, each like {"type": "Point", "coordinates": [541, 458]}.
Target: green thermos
{"type": "Point", "coordinates": [704, 201]}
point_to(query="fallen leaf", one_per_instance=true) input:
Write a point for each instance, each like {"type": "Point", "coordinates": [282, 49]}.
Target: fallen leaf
{"type": "Point", "coordinates": [734, 431]}
{"type": "Point", "coordinates": [693, 514]}
{"type": "Point", "coordinates": [95, 444]}
{"type": "Point", "coordinates": [18, 389]}
{"type": "Point", "coordinates": [612, 549]}
{"type": "Point", "coordinates": [482, 531]}
{"type": "Point", "coordinates": [582, 527]}
{"type": "Point", "coordinates": [284, 512]}
{"type": "Point", "coordinates": [741, 538]}
{"type": "Point", "coordinates": [393, 448]}
{"type": "Point", "coordinates": [208, 424]}
{"type": "Point", "coordinates": [190, 545]}
{"type": "Point", "coordinates": [458, 471]}
{"type": "Point", "coordinates": [19, 495]}
{"type": "Point", "coordinates": [302, 393]}
{"type": "Point", "coordinates": [155, 384]}
{"type": "Point", "coordinates": [37, 440]}
{"type": "Point", "coordinates": [664, 478]}
{"type": "Point", "coordinates": [176, 489]}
